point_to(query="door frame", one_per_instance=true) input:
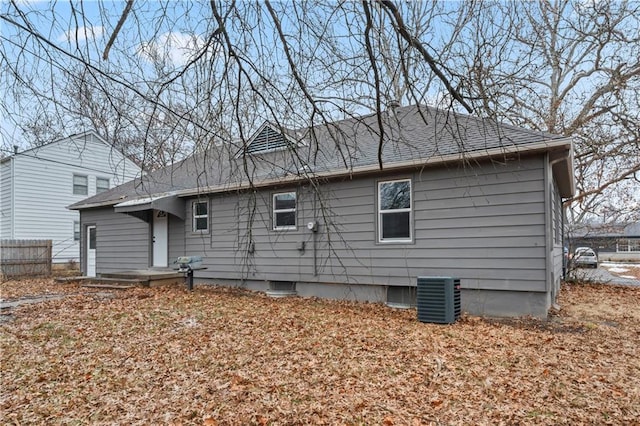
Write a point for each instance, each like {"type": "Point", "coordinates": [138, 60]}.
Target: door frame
{"type": "Point", "coordinates": [88, 249]}
{"type": "Point", "coordinates": [163, 261]}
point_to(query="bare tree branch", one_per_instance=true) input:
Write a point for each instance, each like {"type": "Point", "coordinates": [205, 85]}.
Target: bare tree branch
{"type": "Point", "coordinates": [119, 25]}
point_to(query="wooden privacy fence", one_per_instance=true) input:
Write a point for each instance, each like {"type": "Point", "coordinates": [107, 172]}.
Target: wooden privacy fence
{"type": "Point", "coordinates": [25, 258]}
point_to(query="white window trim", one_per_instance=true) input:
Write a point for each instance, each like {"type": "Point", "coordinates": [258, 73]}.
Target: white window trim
{"type": "Point", "coordinates": [73, 184]}
{"type": "Point", "coordinates": [76, 225]}
{"type": "Point", "coordinates": [105, 189]}
{"type": "Point", "coordinates": [381, 212]}
{"type": "Point", "coordinates": [294, 210]}
{"type": "Point", "coordinates": [201, 216]}
{"type": "Point", "coordinates": [629, 245]}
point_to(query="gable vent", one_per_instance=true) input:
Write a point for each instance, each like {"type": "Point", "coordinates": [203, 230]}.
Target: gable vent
{"type": "Point", "coordinates": [267, 140]}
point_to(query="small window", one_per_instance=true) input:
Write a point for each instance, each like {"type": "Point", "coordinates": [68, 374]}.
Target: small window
{"type": "Point", "coordinates": [401, 296]}
{"type": "Point", "coordinates": [200, 216]}
{"type": "Point", "coordinates": [92, 237]}
{"type": "Point", "coordinates": [284, 210]}
{"type": "Point", "coordinates": [394, 210]}
{"type": "Point", "coordinates": [628, 245]}
{"type": "Point", "coordinates": [102, 184]}
{"type": "Point", "coordinates": [80, 185]}
{"type": "Point", "coordinates": [76, 231]}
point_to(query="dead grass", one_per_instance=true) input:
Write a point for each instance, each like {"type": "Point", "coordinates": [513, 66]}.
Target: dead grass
{"type": "Point", "coordinates": [220, 356]}
{"type": "Point", "coordinates": [13, 289]}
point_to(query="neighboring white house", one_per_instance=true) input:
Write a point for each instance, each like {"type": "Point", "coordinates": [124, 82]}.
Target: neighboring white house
{"type": "Point", "coordinates": [38, 184]}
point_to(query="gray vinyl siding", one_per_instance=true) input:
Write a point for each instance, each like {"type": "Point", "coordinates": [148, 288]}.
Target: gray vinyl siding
{"type": "Point", "coordinates": [484, 224]}
{"type": "Point", "coordinates": [122, 241]}
{"type": "Point", "coordinates": [176, 238]}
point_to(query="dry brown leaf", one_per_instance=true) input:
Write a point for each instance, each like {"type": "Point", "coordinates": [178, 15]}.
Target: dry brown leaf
{"type": "Point", "coordinates": [209, 421]}
{"type": "Point", "coordinates": [230, 357]}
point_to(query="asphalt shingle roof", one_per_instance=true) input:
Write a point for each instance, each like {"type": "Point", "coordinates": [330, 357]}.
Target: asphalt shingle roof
{"type": "Point", "coordinates": [412, 136]}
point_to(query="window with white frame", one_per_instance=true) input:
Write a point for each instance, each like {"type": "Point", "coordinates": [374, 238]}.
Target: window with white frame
{"type": "Point", "coordinates": [284, 210]}
{"type": "Point", "coordinates": [80, 185]}
{"type": "Point", "coordinates": [102, 184]}
{"type": "Point", "coordinates": [628, 245]}
{"type": "Point", "coordinates": [200, 216]}
{"type": "Point", "coordinates": [76, 231]}
{"type": "Point", "coordinates": [394, 210]}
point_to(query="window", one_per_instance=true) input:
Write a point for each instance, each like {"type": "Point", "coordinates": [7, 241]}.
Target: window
{"type": "Point", "coordinates": [401, 296]}
{"type": "Point", "coordinates": [394, 210]}
{"type": "Point", "coordinates": [628, 245]}
{"type": "Point", "coordinates": [76, 231]}
{"type": "Point", "coordinates": [80, 185]}
{"type": "Point", "coordinates": [284, 210]}
{"type": "Point", "coordinates": [102, 184]}
{"type": "Point", "coordinates": [200, 216]}
{"type": "Point", "coordinates": [92, 237]}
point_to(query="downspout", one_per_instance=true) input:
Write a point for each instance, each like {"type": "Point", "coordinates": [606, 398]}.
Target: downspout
{"type": "Point", "coordinates": [557, 160]}
{"type": "Point", "coordinates": [12, 202]}
{"type": "Point", "coordinates": [564, 266]}
{"type": "Point", "coordinates": [548, 221]}
{"type": "Point", "coordinates": [547, 225]}
{"type": "Point", "coordinates": [565, 260]}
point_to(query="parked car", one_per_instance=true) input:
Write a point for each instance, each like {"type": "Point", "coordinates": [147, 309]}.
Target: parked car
{"type": "Point", "coordinates": [585, 256]}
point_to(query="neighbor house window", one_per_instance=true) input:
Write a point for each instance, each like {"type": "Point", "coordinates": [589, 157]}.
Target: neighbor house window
{"type": "Point", "coordinates": [200, 216]}
{"type": "Point", "coordinates": [394, 210]}
{"type": "Point", "coordinates": [102, 185]}
{"type": "Point", "coordinates": [284, 210]}
{"type": "Point", "coordinates": [80, 185]}
{"type": "Point", "coordinates": [628, 245]}
{"type": "Point", "coordinates": [76, 231]}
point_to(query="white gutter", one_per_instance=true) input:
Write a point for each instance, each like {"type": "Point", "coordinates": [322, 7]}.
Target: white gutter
{"type": "Point", "coordinates": [144, 200]}
{"type": "Point", "coordinates": [540, 146]}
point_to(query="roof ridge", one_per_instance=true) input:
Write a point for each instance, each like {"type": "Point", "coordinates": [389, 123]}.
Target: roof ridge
{"type": "Point", "coordinates": [422, 134]}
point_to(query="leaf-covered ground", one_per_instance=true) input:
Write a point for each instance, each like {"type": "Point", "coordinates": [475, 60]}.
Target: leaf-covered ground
{"type": "Point", "coordinates": [219, 356]}
{"type": "Point", "coordinates": [625, 270]}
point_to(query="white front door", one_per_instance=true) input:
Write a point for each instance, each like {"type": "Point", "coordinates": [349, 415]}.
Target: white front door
{"type": "Point", "coordinates": [91, 251]}
{"type": "Point", "coordinates": [160, 239]}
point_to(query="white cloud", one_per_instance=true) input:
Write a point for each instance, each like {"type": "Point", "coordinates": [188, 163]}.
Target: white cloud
{"type": "Point", "coordinates": [172, 48]}
{"type": "Point", "coordinates": [82, 34]}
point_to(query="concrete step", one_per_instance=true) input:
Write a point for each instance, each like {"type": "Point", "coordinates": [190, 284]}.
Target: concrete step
{"type": "Point", "coordinates": [147, 274]}
{"type": "Point", "coordinates": [64, 280]}
{"type": "Point", "coordinates": [128, 279]}
{"type": "Point", "coordinates": [108, 280]}
{"type": "Point", "coordinates": [100, 280]}
{"type": "Point", "coordinates": [109, 286]}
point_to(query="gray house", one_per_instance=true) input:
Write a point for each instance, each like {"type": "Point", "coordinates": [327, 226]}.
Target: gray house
{"type": "Point", "coordinates": [312, 211]}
